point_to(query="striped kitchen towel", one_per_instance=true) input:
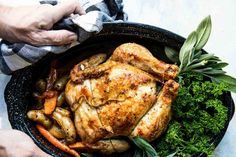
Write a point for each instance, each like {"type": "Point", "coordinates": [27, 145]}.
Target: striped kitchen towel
{"type": "Point", "coordinates": [14, 56]}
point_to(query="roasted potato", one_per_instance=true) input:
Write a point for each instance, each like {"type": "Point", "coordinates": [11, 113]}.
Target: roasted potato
{"type": "Point", "coordinates": [39, 117]}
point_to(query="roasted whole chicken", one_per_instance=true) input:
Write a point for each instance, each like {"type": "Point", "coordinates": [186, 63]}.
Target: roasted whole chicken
{"type": "Point", "coordinates": [128, 95]}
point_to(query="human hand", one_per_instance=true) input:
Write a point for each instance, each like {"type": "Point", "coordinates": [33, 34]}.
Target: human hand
{"type": "Point", "coordinates": [14, 143]}
{"type": "Point", "coordinates": [32, 24]}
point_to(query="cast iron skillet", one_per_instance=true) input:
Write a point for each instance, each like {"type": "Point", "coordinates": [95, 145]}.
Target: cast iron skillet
{"type": "Point", "coordinates": [18, 90]}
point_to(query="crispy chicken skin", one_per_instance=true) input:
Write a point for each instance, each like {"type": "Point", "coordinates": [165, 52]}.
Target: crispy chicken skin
{"type": "Point", "coordinates": [155, 121]}
{"type": "Point", "coordinates": [120, 97]}
{"type": "Point", "coordinates": [142, 58]}
{"type": "Point", "coordinates": [109, 146]}
{"type": "Point", "coordinates": [135, 55]}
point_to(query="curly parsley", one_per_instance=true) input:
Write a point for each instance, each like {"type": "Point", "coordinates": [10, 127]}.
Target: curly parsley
{"type": "Point", "coordinates": [198, 115]}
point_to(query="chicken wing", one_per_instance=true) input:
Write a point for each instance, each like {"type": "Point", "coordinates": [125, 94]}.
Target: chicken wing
{"type": "Point", "coordinates": [140, 57]}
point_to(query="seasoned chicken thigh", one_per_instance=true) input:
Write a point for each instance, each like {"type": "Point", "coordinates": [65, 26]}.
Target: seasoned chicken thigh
{"type": "Point", "coordinates": [121, 97]}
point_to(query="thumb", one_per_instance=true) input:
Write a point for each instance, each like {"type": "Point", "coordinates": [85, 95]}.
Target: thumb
{"type": "Point", "coordinates": [56, 37]}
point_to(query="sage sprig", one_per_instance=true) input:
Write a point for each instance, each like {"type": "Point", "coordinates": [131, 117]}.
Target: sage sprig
{"type": "Point", "coordinates": [192, 58]}
{"type": "Point", "coordinates": [88, 155]}
{"type": "Point", "coordinates": [145, 146]}
{"type": "Point", "coordinates": [186, 51]}
{"type": "Point", "coordinates": [172, 54]}
{"type": "Point", "coordinates": [203, 33]}
{"type": "Point", "coordinates": [139, 152]}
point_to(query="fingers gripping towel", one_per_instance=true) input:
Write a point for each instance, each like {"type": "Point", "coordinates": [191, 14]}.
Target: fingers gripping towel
{"type": "Point", "coordinates": [14, 56]}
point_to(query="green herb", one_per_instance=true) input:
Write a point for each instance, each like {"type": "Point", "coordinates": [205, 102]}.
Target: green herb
{"type": "Point", "coordinates": [192, 59]}
{"type": "Point", "coordinates": [145, 146]}
{"type": "Point", "coordinates": [230, 81]}
{"type": "Point", "coordinates": [172, 154]}
{"type": "Point", "coordinates": [139, 153]}
{"type": "Point", "coordinates": [88, 155]}
{"type": "Point", "coordinates": [198, 115]}
{"type": "Point", "coordinates": [172, 54]}
{"type": "Point", "coordinates": [186, 51]}
{"type": "Point", "coordinates": [203, 33]}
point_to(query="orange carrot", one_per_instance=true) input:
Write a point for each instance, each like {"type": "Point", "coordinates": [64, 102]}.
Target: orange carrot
{"type": "Point", "coordinates": [55, 142]}
{"type": "Point", "coordinates": [50, 104]}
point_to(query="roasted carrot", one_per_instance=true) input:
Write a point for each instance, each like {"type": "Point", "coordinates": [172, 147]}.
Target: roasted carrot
{"type": "Point", "coordinates": [49, 94]}
{"type": "Point", "coordinates": [55, 142]}
{"type": "Point", "coordinates": [50, 104]}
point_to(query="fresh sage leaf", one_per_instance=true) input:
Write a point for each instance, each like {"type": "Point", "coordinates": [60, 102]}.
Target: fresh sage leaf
{"type": "Point", "coordinates": [171, 155]}
{"type": "Point", "coordinates": [213, 61]}
{"type": "Point", "coordinates": [188, 45]}
{"type": "Point", "coordinates": [232, 88]}
{"type": "Point", "coordinates": [203, 32]}
{"type": "Point", "coordinates": [226, 78]}
{"type": "Point", "coordinates": [214, 72]}
{"type": "Point", "coordinates": [229, 80]}
{"type": "Point", "coordinates": [138, 152]}
{"type": "Point", "coordinates": [197, 65]}
{"type": "Point", "coordinates": [202, 70]}
{"type": "Point", "coordinates": [197, 54]}
{"type": "Point", "coordinates": [206, 57]}
{"type": "Point", "coordinates": [186, 49]}
{"type": "Point", "coordinates": [190, 57]}
{"type": "Point", "coordinates": [172, 54]}
{"type": "Point", "coordinates": [195, 60]}
{"type": "Point", "coordinates": [145, 146]}
{"type": "Point", "coordinates": [87, 154]}
{"type": "Point", "coordinates": [219, 65]}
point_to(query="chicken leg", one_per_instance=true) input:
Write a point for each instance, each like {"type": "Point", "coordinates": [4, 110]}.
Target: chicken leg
{"type": "Point", "coordinates": [154, 122]}
{"type": "Point", "coordinates": [106, 146]}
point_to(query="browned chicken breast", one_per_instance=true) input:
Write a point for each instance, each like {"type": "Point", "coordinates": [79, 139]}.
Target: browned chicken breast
{"type": "Point", "coordinates": [120, 97]}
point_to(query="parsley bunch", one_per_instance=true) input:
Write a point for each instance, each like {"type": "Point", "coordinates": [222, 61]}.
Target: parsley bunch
{"type": "Point", "coordinates": [198, 115]}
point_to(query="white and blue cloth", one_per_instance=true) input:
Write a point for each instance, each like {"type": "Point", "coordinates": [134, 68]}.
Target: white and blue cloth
{"type": "Point", "coordinates": [14, 56]}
